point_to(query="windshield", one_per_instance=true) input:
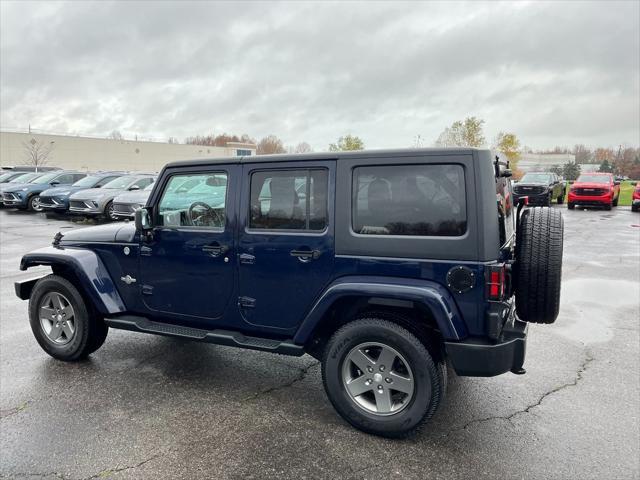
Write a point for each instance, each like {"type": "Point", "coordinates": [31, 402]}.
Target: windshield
{"type": "Point", "coordinates": [25, 177]}
{"type": "Point", "coordinates": [593, 179]}
{"type": "Point", "coordinates": [45, 178]}
{"type": "Point", "coordinates": [4, 176]}
{"type": "Point", "coordinates": [88, 181]}
{"type": "Point", "coordinates": [536, 178]}
{"type": "Point", "coordinates": [120, 183]}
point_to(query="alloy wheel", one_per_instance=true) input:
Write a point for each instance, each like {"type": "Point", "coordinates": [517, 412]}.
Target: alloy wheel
{"type": "Point", "coordinates": [57, 318]}
{"type": "Point", "coordinates": [378, 379]}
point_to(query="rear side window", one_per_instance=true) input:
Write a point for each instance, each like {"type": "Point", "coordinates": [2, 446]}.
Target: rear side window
{"type": "Point", "coordinates": [409, 200]}
{"type": "Point", "coordinates": [289, 200]}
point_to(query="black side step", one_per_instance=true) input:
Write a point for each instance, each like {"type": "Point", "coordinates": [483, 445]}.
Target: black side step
{"type": "Point", "coordinates": [219, 337]}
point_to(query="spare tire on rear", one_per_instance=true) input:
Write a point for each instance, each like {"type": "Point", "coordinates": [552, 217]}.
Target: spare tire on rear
{"type": "Point", "coordinates": [538, 268]}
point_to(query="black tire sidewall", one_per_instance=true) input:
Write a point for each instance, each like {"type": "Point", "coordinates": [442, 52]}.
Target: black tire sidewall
{"type": "Point", "coordinates": [426, 377]}
{"type": "Point", "coordinates": [75, 349]}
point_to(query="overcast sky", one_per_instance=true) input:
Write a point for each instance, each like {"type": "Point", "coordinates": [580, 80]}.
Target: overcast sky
{"type": "Point", "coordinates": [551, 72]}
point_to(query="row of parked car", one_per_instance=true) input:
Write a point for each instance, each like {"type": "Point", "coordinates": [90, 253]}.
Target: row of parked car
{"type": "Point", "coordinates": [591, 189]}
{"type": "Point", "coordinates": [113, 195]}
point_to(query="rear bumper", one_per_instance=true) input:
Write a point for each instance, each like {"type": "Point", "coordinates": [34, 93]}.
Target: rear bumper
{"type": "Point", "coordinates": [482, 358]}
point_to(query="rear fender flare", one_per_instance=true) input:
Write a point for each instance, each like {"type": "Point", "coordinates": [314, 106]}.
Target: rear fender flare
{"type": "Point", "coordinates": [94, 278]}
{"type": "Point", "coordinates": [430, 294]}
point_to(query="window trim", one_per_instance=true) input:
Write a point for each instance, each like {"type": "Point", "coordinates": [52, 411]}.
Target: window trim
{"type": "Point", "coordinates": [430, 237]}
{"type": "Point", "coordinates": [194, 228]}
{"type": "Point", "coordinates": [289, 231]}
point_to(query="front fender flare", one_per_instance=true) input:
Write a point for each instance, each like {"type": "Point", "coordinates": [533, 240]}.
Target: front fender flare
{"type": "Point", "coordinates": [94, 278]}
{"type": "Point", "coordinates": [430, 294]}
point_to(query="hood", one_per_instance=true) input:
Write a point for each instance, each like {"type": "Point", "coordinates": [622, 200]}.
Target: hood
{"type": "Point", "coordinates": [96, 193]}
{"type": "Point", "coordinates": [111, 232]}
{"type": "Point", "coordinates": [6, 187]}
{"type": "Point", "coordinates": [138, 196]}
{"type": "Point", "coordinates": [50, 192]}
{"type": "Point", "coordinates": [533, 183]}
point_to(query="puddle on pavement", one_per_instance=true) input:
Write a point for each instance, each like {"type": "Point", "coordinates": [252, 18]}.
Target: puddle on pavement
{"type": "Point", "coordinates": [588, 308]}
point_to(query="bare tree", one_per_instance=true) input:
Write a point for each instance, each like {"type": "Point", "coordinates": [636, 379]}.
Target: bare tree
{"type": "Point", "coordinates": [303, 147]}
{"type": "Point", "coordinates": [270, 144]}
{"type": "Point", "coordinates": [115, 135]}
{"type": "Point", "coordinates": [37, 152]}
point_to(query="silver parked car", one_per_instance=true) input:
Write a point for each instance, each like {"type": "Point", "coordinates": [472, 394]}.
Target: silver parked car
{"type": "Point", "coordinates": [99, 201]}
{"type": "Point", "coordinates": [126, 204]}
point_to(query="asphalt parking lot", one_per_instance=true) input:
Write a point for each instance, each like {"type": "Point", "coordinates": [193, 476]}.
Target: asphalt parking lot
{"type": "Point", "coordinates": [153, 407]}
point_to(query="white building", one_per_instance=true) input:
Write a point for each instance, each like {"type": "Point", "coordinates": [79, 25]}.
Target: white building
{"type": "Point", "coordinates": [531, 162]}
{"type": "Point", "coordinates": [86, 153]}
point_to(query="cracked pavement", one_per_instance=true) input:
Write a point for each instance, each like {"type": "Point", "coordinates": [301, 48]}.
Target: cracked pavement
{"type": "Point", "coordinates": [154, 407]}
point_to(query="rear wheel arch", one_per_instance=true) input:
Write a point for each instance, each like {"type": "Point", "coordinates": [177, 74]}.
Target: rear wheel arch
{"type": "Point", "coordinates": [417, 318]}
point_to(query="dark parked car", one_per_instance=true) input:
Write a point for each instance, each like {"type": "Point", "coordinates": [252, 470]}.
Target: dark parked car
{"type": "Point", "coordinates": [386, 266]}
{"type": "Point", "coordinates": [541, 188]}
{"type": "Point", "coordinates": [57, 199]}
{"type": "Point", "coordinates": [594, 189]}
{"type": "Point", "coordinates": [22, 179]}
{"type": "Point", "coordinates": [27, 196]}
{"type": "Point", "coordinates": [9, 175]}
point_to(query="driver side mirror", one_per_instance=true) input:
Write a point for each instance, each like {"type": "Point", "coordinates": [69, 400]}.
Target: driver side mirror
{"type": "Point", "coordinates": [134, 187]}
{"type": "Point", "coordinates": [143, 220]}
{"type": "Point", "coordinates": [54, 183]}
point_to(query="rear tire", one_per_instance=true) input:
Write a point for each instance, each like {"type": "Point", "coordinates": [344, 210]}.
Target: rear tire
{"type": "Point", "coordinates": [615, 202]}
{"type": "Point", "coordinates": [381, 409]}
{"type": "Point", "coordinates": [539, 265]}
{"type": "Point", "coordinates": [56, 306]}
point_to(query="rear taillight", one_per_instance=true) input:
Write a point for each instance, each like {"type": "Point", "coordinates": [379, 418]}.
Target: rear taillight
{"type": "Point", "coordinates": [496, 280]}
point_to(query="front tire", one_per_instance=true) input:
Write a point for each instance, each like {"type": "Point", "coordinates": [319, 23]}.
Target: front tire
{"type": "Point", "coordinates": [63, 324]}
{"type": "Point", "coordinates": [571, 206]}
{"type": "Point", "coordinates": [381, 379]}
{"type": "Point", "coordinates": [561, 198]}
{"type": "Point", "coordinates": [615, 202]}
{"type": "Point", "coordinates": [108, 212]}
{"type": "Point", "coordinates": [33, 204]}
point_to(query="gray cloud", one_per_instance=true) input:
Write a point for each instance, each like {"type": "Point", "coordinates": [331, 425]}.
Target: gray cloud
{"type": "Point", "coordinates": [554, 73]}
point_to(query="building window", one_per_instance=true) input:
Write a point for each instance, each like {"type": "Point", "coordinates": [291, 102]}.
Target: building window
{"type": "Point", "coordinates": [243, 153]}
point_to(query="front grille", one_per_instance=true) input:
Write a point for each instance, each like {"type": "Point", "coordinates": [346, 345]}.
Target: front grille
{"type": "Point", "coordinates": [123, 208]}
{"type": "Point", "coordinates": [589, 192]}
{"type": "Point", "coordinates": [10, 197]}
{"type": "Point", "coordinates": [77, 204]}
{"type": "Point", "coordinates": [47, 202]}
{"type": "Point", "coordinates": [528, 189]}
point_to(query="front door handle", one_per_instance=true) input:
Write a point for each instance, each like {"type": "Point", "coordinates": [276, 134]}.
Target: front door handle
{"type": "Point", "coordinates": [306, 255]}
{"type": "Point", "coordinates": [215, 250]}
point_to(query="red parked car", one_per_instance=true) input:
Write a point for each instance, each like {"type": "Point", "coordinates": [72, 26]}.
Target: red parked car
{"type": "Point", "coordinates": [599, 189]}
{"type": "Point", "coordinates": [635, 199]}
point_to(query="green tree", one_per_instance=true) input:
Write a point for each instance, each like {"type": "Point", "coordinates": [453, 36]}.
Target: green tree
{"type": "Point", "coordinates": [348, 142]}
{"type": "Point", "coordinates": [463, 133]}
{"type": "Point", "coordinates": [509, 144]}
{"type": "Point", "coordinates": [605, 166]}
{"type": "Point", "coordinates": [571, 171]}
{"type": "Point", "coordinates": [557, 169]}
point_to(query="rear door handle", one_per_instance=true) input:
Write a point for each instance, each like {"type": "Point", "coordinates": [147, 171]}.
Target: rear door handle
{"type": "Point", "coordinates": [215, 250]}
{"type": "Point", "coordinates": [247, 259]}
{"type": "Point", "coordinates": [306, 255]}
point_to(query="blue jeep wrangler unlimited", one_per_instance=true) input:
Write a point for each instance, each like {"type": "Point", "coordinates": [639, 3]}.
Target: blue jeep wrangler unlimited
{"type": "Point", "coordinates": [386, 265]}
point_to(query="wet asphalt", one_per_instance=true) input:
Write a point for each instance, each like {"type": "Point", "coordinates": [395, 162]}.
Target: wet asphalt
{"type": "Point", "coordinates": [152, 407]}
